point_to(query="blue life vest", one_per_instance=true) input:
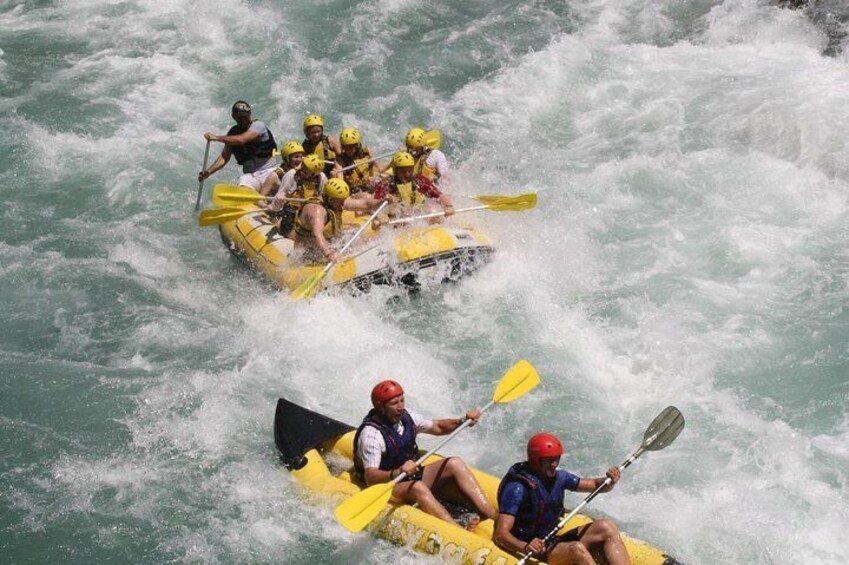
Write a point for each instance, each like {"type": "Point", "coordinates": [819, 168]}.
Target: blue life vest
{"type": "Point", "coordinates": [541, 506]}
{"type": "Point", "coordinates": [255, 149]}
{"type": "Point", "coordinates": [399, 448]}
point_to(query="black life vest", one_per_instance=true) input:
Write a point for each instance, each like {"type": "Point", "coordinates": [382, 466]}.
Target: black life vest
{"type": "Point", "coordinates": [255, 150]}
{"type": "Point", "coordinates": [399, 448]}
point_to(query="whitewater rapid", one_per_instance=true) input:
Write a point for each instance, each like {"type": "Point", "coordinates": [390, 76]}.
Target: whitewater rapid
{"type": "Point", "coordinates": [689, 248]}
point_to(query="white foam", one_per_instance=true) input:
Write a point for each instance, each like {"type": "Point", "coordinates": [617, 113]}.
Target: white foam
{"type": "Point", "coordinates": [692, 201]}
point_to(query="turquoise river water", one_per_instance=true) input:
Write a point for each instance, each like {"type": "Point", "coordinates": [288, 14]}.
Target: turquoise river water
{"type": "Point", "coordinates": [689, 248]}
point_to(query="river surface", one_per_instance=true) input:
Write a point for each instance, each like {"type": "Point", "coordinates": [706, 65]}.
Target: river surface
{"type": "Point", "coordinates": [689, 248]}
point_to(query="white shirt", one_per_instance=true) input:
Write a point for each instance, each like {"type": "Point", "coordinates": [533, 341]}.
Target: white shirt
{"type": "Point", "coordinates": [437, 161]}
{"type": "Point", "coordinates": [370, 447]}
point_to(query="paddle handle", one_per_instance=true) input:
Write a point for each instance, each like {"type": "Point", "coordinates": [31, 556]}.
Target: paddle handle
{"type": "Point", "coordinates": [287, 199]}
{"type": "Point", "coordinates": [364, 226]}
{"type": "Point", "coordinates": [345, 247]}
{"type": "Point", "coordinates": [586, 501]}
{"type": "Point", "coordinates": [203, 168]}
{"type": "Point", "coordinates": [434, 215]}
{"type": "Point", "coordinates": [372, 160]}
{"type": "Point", "coordinates": [448, 438]}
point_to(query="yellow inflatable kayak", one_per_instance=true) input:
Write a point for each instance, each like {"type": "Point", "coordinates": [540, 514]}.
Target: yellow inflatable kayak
{"type": "Point", "coordinates": [318, 451]}
{"type": "Point", "coordinates": [442, 252]}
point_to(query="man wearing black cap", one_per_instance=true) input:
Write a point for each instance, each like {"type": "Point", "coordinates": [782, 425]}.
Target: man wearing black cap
{"type": "Point", "coordinates": [251, 142]}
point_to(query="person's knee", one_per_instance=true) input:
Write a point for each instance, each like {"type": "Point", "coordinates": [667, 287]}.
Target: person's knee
{"type": "Point", "coordinates": [420, 491]}
{"type": "Point", "coordinates": [571, 552]}
{"type": "Point", "coordinates": [456, 465]}
{"type": "Point", "coordinates": [606, 528]}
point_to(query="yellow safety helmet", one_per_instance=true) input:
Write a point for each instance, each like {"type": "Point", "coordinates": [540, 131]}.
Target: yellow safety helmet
{"type": "Point", "coordinates": [350, 136]}
{"type": "Point", "coordinates": [290, 148]}
{"type": "Point", "coordinates": [403, 159]}
{"type": "Point", "coordinates": [313, 163]}
{"type": "Point", "coordinates": [313, 120]}
{"type": "Point", "coordinates": [337, 188]}
{"type": "Point", "coordinates": [415, 138]}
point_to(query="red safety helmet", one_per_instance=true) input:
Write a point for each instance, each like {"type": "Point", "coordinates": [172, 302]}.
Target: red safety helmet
{"type": "Point", "coordinates": [385, 391]}
{"type": "Point", "coordinates": [543, 445]}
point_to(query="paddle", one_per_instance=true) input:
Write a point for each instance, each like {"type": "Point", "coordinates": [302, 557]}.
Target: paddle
{"type": "Point", "coordinates": [366, 162]}
{"type": "Point", "coordinates": [234, 195]}
{"type": "Point", "coordinates": [661, 432]}
{"type": "Point", "coordinates": [200, 183]}
{"type": "Point", "coordinates": [218, 216]}
{"type": "Point", "coordinates": [356, 512]}
{"type": "Point", "coordinates": [496, 204]}
{"type": "Point", "coordinates": [309, 286]}
{"type": "Point", "coordinates": [433, 138]}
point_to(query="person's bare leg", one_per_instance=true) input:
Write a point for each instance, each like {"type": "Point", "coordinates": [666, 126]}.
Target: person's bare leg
{"type": "Point", "coordinates": [417, 492]}
{"type": "Point", "coordinates": [455, 470]}
{"type": "Point", "coordinates": [604, 535]}
{"type": "Point", "coordinates": [571, 553]}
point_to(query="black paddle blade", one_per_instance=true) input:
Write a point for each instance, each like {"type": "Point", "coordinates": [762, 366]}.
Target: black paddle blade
{"type": "Point", "coordinates": [664, 429]}
{"type": "Point", "coordinates": [298, 429]}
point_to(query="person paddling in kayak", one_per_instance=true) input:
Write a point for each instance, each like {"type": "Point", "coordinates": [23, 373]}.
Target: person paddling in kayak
{"type": "Point", "coordinates": [386, 447]}
{"type": "Point", "coordinates": [530, 503]}
{"type": "Point", "coordinates": [320, 219]}
{"type": "Point", "coordinates": [412, 191]}
{"type": "Point", "coordinates": [250, 141]}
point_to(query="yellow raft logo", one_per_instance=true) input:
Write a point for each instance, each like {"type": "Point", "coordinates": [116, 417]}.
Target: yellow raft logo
{"type": "Point", "coordinates": [399, 529]}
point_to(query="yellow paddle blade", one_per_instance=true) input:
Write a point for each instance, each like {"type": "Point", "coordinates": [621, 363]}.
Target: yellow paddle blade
{"type": "Point", "coordinates": [308, 287]}
{"type": "Point", "coordinates": [233, 194]}
{"type": "Point", "coordinates": [509, 203]}
{"type": "Point", "coordinates": [433, 139]}
{"type": "Point", "coordinates": [520, 379]}
{"type": "Point", "coordinates": [356, 512]}
{"type": "Point", "coordinates": [218, 216]}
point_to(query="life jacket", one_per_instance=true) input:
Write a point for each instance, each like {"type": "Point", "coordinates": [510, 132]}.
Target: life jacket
{"type": "Point", "coordinates": [407, 192]}
{"type": "Point", "coordinates": [541, 507]}
{"type": "Point", "coordinates": [358, 177]}
{"type": "Point", "coordinates": [255, 150]}
{"type": "Point", "coordinates": [306, 189]}
{"type": "Point", "coordinates": [399, 448]}
{"type": "Point", "coordinates": [332, 222]}
{"type": "Point", "coordinates": [422, 168]}
{"type": "Point", "coordinates": [280, 170]}
{"type": "Point", "coordinates": [323, 150]}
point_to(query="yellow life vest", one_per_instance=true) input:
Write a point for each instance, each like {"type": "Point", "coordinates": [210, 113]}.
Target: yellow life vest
{"type": "Point", "coordinates": [421, 168]}
{"type": "Point", "coordinates": [323, 150]}
{"type": "Point", "coordinates": [359, 176]}
{"type": "Point", "coordinates": [332, 223]}
{"type": "Point", "coordinates": [306, 189]}
{"type": "Point", "coordinates": [408, 193]}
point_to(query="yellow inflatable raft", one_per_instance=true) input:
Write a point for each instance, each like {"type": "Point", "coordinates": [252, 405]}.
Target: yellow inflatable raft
{"type": "Point", "coordinates": [441, 252]}
{"type": "Point", "coordinates": [318, 451]}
